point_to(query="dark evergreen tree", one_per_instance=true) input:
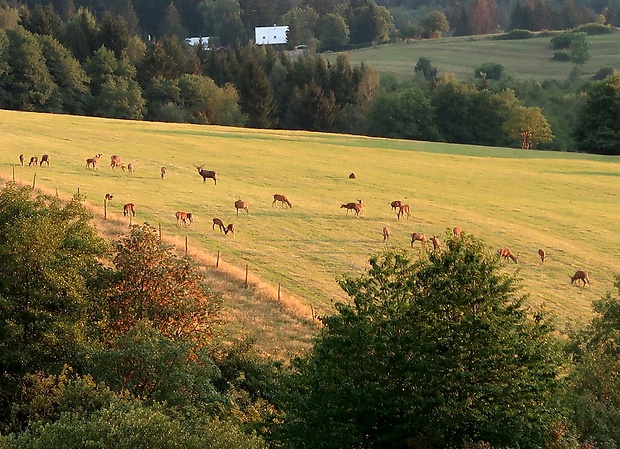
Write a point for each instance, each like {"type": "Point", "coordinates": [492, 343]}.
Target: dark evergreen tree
{"type": "Point", "coordinates": [113, 34]}
{"type": "Point", "coordinates": [41, 20]}
{"type": "Point", "coordinates": [81, 35]}
{"type": "Point", "coordinates": [312, 108]}
{"type": "Point", "coordinates": [257, 96]}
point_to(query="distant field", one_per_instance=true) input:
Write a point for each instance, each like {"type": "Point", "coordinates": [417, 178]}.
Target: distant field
{"type": "Point", "coordinates": [566, 203]}
{"type": "Point", "coordinates": [524, 59]}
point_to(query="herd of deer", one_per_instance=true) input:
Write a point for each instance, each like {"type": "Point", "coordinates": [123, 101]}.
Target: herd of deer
{"type": "Point", "coordinates": [34, 160]}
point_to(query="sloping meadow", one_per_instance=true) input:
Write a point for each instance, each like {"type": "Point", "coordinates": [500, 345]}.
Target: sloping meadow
{"type": "Point", "coordinates": [565, 203]}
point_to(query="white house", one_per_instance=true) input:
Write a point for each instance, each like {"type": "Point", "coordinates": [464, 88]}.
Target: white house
{"type": "Point", "coordinates": [270, 35]}
{"type": "Point", "coordinates": [196, 41]}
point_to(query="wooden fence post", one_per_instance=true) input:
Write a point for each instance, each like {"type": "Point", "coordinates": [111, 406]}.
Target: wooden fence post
{"type": "Point", "coordinates": [279, 291]}
{"type": "Point", "coordinates": [13, 173]}
{"type": "Point", "coordinates": [246, 274]}
{"type": "Point", "coordinates": [186, 245]}
{"type": "Point", "coordinates": [34, 181]}
{"type": "Point", "coordinates": [160, 231]}
{"type": "Point", "coordinates": [313, 315]}
{"type": "Point", "coordinates": [105, 208]}
{"type": "Point", "coordinates": [217, 262]}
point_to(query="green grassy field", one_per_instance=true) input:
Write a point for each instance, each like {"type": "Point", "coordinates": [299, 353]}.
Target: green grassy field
{"type": "Point", "coordinates": [566, 203]}
{"type": "Point", "coordinates": [524, 59]}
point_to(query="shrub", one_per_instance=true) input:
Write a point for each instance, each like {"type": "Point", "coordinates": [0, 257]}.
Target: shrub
{"type": "Point", "coordinates": [561, 56]}
{"type": "Point", "coordinates": [603, 73]}
{"type": "Point", "coordinates": [595, 28]}
{"type": "Point", "coordinates": [562, 40]}
{"type": "Point", "coordinates": [492, 70]}
{"type": "Point", "coordinates": [515, 35]}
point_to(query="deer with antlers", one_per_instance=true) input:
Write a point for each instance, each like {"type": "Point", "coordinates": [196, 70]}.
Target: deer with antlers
{"type": "Point", "coordinates": [282, 199]}
{"type": "Point", "coordinates": [580, 276]}
{"type": "Point", "coordinates": [505, 254]}
{"type": "Point", "coordinates": [93, 162]}
{"type": "Point", "coordinates": [210, 174]}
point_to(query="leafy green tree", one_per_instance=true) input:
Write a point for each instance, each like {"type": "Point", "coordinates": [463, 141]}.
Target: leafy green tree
{"type": "Point", "coordinates": [222, 18]}
{"type": "Point", "coordinates": [595, 385]}
{"type": "Point", "coordinates": [598, 128]}
{"type": "Point", "coordinates": [368, 22]}
{"type": "Point", "coordinates": [531, 120]}
{"type": "Point", "coordinates": [334, 32]}
{"type": "Point", "coordinates": [434, 23]}
{"type": "Point", "coordinates": [48, 258]}
{"type": "Point", "coordinates": [580, 51]}
{"type": "Point", "coordinates": [436, 352]}
{"type": "Point", "coordinates": [424, 67]}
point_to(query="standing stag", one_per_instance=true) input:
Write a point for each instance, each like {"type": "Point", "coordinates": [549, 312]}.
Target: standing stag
{"type": "Point", "coordinates": [505, 254]}
{"type": "Point", "coordinates": [206, 173]}
{"type": "Point", "coordinates": [93, 162]}
{"type": "Point", "coordinates": [418, 236]}
{"type": "Point", "coordinates": [282, 199]}
{"type": "Point", "coordinates": [45, 159]}
{"type": "Point", "coordinates": [242, 205]}
{"type": "Point", "coordinates": [115, 161]}
{"type": "Point", "coordinates": [580, 276]}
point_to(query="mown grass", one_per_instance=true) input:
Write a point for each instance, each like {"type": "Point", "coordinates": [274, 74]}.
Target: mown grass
{"type": "Point", "coordinates": [523, 59]}
{"type": "Point", "coordinates": [566, 203]}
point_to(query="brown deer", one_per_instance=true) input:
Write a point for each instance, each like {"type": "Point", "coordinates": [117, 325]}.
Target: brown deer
{"type": "Point", "coordinates": [456, 231]}
{"type": "Point", "coordinates": [129, 209]}
{"type": "Point", "coordinates": [206, 173]}
{"type": "Point", "coordinates": [185, 218]}
{"type": "Point", "coordinates": [45, 159]}
{"type": "Point", "coordinates": [230, 228]}
{"type": "Point", "coordinates": [130, 168]}
{"type": "Point", "coordinates": [505, 254]}
{"type": "Point", "coordinates": [93, 162]}
{"type": "Point", "coordinates": [282, 199]}
{"type": "Point", "coordinates": [163, 172]}
{"type": "Point", "coordinates": [108, 197]}
{"type": "Point", "coordinates": [355, 207]}
{"type": "Point", "coordinates": [239, 204]}
{"type": "Point", "coordinates": [33, 161]}
{"type": "Point", "coordinates": [436, 243]}
{"type": "Point", "coordinates": [115, 161]}
{"type": "Point", "coordinates": [220, 223]}
{"type": "Point", "coordinates": [395, 205]}
{"type": "Point", "coordinates": [21, 159]}
{"type": "Point", "coordinates": [386, 234]}
{"type": "Point", "coordinates": [418, 236]}
{"type": "Point", "coordinates": [352, 176]}
{"type": "Point", "coordinates": [580, 276]}
{"type": "Point", "coordinates": [542, 255]}
{"type": "Point", "coordinates": [404, 209]}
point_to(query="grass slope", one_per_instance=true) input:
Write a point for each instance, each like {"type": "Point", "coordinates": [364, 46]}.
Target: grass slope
{"type": "Point", "coordinates": [566, 203]}
{"type": "Point", "coordinates": [524, 59]}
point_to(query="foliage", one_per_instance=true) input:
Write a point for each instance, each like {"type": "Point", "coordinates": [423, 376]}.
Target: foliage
{"type": "Point", "coordinates": [562, 40]}
{"type": "Point", "coordinates": [580, 52]}
{"type": "Point", "coordinates": [514, 35]}
{"type": "Point", "coordinates": [435, 23]}
{"type": "Point", "coordinates": [435, 352]}
{"type": "Point", "coordinates": [561, 56]}
{"type": "Point", "coordinates": [598, 129]}
{"type": "Point", "coordinates": [491, 71]}
{"type": "Point", "coordinates": [595, 28]}
{"type": "Point", "coordinates": [523, 119]}
{"type": "Point", "coordinates": [334, 32]}
{"type": "Point", "coordinates": [151, 282]}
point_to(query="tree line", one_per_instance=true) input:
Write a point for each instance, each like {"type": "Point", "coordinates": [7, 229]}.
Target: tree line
{"type": "Point", "coordinates": [89, 66]}
{"type": "Point", "coordinates": [118, 345]}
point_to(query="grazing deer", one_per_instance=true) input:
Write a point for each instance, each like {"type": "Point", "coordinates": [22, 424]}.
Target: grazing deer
{"type": "Point", "coordinates": [418, 236]}
{"type": "Point", "coordinates": [436, 243]}
{"type": "Point", "coordinates": [93, 162]}
{"type": "Point", "coordinates": [115, 161]}
{"type": "Point", "coordinates": [505, 254]}
{"type": "Point", "coordinates": [580, 276]}
{"type": "Point", "coordinates": [542, 255]}
{"type": "Point", "coordinates": [282, 199]}
{"type": "Point", "coordinates": [456, 231]}
{"type": "Point", "coordinates": [395, 205]}
{"type": "Point", "coordinates": [21, 159]}
{"type": "Point", "coordinates": [45, 159]}
{"type": "Point", "coordinates": [352, 176]}
{"type": "Point", "coordinates": [33, 161]}
{"type": "Point", "coordinates": [108, 197]}
{"type": "Point", "coordinates": [386, 234]}
{"type": "Point", "coordinates": [220, 223]}
{"type": "Point", "coordinates": [130, 168]}
{"type": "Point", "coordinates": [230, 228]}
{"type": "Point", "coordinates": [355, 207]}
{"type": "Point", "coordinates": [242, 205]}
{"type": "Point", "coordinates": [185, 218]}
{"type": "Point", "coordinates": [206, 173]}
{"type": "Point", "coordinates": [129, 209]}
{"type": "Point", "coordinates": [163, 172]}
{"type": "Point", "coordinates": [404, 209]}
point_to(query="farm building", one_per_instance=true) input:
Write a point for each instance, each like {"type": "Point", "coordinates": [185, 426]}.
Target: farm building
{"type": "Point", "coordinates": [197, 40]}
{"type": "Point", "coordinates": [270, 35]}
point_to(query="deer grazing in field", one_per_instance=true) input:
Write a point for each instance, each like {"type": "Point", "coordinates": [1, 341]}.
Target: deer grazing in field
{"type": "Point", "coordinates": [418, 237]}
{"type": "Point", "coordinates": [395, 205]}
{"type": "Point", "coordinates": [282, 199]}
{"type": "Point", "coordinates": [404, 209]}
{"type": "Point", "coordinates": [93, 162]}
{"type": "Point", "coordinates": [163, 172]}
{"type": "Point", "coordinates": [33, 161]}
{"type": "Point", "coordinates": [239, 204]}
{"type": "Point", "coordinates": [355, 207]}
{"type": "Point", "coordinates": [456, 231]}
{"type": "Point", "coordinates": [230, 228]}
{"type": "Point", "coordinates": [184, 218]}
{"type": "Point", "coordinates": [45, 159]}
{"type": "Point", "coordinates": [129, 209]}
{"type": "Point", "coordinates": [386, 233]}
{"type": "Point", "coordinates": [436, 243]}
{"type": "Point", "coordinates": [580, 276]}
{"type": "Point", "coordinates": [206, 173]}
{"type": "Point", "coordinates": [130, 168]}
{"type": "Point", "coordinates": [505, 254]}
{"type": "Point", "coordinates": [108, 197]}
{"type": "Point", "coordinates": [542, 255]}
{"type": "Point", "coordinates": [220, 223]}
{"type": "Point", "coordinates": [352, 176]}
{"type": "Point", "coordinates": [21, 159]}
{"type": "Point", "coordinates": [115, 161]}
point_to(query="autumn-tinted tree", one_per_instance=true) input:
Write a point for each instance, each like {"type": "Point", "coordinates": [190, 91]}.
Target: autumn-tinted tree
{"type": "Point", "coordinates": [436, 352]}
{"type": "Point", "coordinates": [434, 23]}
{"type": "Point", "coordinates": [522, 119]}
{"type": "Point", "coordinates": [482, 16]}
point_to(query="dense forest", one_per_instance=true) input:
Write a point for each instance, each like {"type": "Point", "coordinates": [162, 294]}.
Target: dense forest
{"type": "Point", "coordinates": [118, 346]}
{"type": "Point", "coordinates": [130, 60]}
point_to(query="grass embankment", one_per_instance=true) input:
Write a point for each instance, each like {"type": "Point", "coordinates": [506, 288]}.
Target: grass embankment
{"type": "Point", "coordinates": [565, 203]}
{"type": "Point", "coordinates": [524, 59]}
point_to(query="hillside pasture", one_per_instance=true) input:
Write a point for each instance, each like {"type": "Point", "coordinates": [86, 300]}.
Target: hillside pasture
{"type": "Point", "coordinates": [565, 203]}
{"type": "Point", "coordinates": [524, 59]}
